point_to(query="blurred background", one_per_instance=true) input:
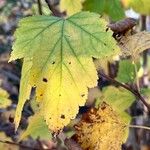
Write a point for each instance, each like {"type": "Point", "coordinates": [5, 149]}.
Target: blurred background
{"type": "Point", "coordinates": [11, 11]}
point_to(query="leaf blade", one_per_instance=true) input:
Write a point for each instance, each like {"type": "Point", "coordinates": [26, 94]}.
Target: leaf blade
{"type": "Point", "coordinates": [60, 63]}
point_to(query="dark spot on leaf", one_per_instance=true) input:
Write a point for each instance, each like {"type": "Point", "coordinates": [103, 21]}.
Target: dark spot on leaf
{"type": "Point", "coordinates": [107, 29]}
{"type": "Point", "coordinates": [59, 94]}
{"type": "Point", "coordinates": [41, 94]}
{"type": "Point", "coordinates": [62, 116]}
{"type": "Point", "coordinates": [103, 107]}
{"type": "Point", "coordinates": [45, 80]}
{"type": "Point", "coordinates": [53, 62]}
{"type": "Point", "coordinates": [105, 44]}
{"type": "Point", "coordinates": [69, 63]}
{"type": "Point", "coordinates": [11, 119]}
{"type": "Point", "coordinates": [103, 121]}
{"type": "Point", "coordinates": [82, 95]}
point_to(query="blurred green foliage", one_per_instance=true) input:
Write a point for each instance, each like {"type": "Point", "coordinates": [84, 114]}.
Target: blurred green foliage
{"type": "Point", "coordinates": [112, 8]}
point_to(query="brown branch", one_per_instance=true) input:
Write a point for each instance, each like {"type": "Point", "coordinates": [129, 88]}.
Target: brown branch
{"type": "Point", "coordinates": [17, 144]}
{"type": "Point", "coordinates": [52, 9]}
{"type": "Point", "coordinates": [39, 7]}
{"type": "Point", "coordinates": [143, 28]}
{"type": "Point", "coordinates": [135, 92]}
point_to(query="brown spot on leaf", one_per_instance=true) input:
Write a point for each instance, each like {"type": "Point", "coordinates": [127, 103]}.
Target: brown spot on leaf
{"type": "Point", "coordinates": [103, 107]}
{"type": "Point", "coordinates": [11, 119]}
{"type": "Point", "coordinates": [62, 116]}
{"type": "Point", "coordinates": [82, 95]}
{"type": "Point", "coordinates": [45, 80]}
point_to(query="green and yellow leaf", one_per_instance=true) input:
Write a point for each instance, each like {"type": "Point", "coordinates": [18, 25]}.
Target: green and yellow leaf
{"type": "Point", "coordinates": [25, 89]}
{"type": "Point", "coordinates": [119, 99]}
{"type": "Point", "coordinates": [62, 68]}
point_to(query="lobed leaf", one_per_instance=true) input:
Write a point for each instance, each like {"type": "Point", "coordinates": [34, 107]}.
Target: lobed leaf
{"type": "Point", "coordinates": [62, 68]}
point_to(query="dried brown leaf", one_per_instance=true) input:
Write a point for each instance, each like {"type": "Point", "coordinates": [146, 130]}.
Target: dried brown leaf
{"type": "Point", "coordinates": [135, 44]}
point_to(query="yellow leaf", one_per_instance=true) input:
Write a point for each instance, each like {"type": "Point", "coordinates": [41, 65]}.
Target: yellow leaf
{"type": "Point", "coordinates": [71, 6]}
{"type": "Point", "coordinates": [4, 99]}
{"type": "Point", "coordinates": [133, 45]}
{"type": "Point", "coordinates": [63, 93]}
{"type": "Point", "coordinates": [7, 146]}
{"type": "Point", "coordinates": [140, 6]}
{"type": "Point", "coordinates": [101, 129]}
{"type": "Point", "coordinates": [58, 62]}
{"type": "Point", "coordinates": [25, 89]}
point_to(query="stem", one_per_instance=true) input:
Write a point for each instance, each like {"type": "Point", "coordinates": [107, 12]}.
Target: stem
{"type": "Point", "coordinates": [135, 92]}
{"type": "Point", "coordinates": [52, 9]}
{"type": "Point", "coordinates": [136, 76]}
{"type": "Point", "coordinates": [140, 127]}
{"type": "Point", "coordinates": [39, 7]}
{"type": "Point", "coordinates": [143, 23]}
{"type": "Point", "coordinates": [143, 27]}
{"type": "Point", "coordinates": [20, 145]}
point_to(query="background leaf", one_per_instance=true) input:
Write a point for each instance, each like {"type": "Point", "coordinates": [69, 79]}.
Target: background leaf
{"type": "Point", "coordinates": [37, 128]}
{"type": "Point", "coordinates": [71, 6]}
{"type": "Point", "coordinates": [4, 99]}
{"type": "Point", "coordinates": [112, 8]}
{"type": "Point", "coordinates": [140, 6]}
{"type": "Point", "coordinates": [126, 72]}
{"type": "Point", "coordinates": [103, 128]}
{"type": "Point", "coordinates": [135, 44]}
{"type": "Point", "coordinates": [119, 99]}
